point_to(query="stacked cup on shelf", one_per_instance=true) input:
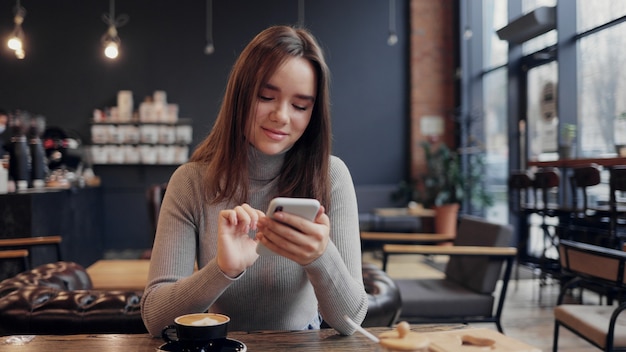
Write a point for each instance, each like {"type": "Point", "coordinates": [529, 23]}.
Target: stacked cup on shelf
{"type": "Point", "coordinates": [154, 135]}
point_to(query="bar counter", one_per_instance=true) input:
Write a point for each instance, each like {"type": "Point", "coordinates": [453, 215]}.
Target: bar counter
{"type": "Point", "coordinates": [75, 214]}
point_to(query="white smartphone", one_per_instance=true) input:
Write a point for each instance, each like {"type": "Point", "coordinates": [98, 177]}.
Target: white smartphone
{"type": "Point", "coordinates": [303, 207]}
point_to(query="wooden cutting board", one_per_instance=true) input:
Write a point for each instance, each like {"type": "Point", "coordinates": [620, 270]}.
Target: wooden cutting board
{"type": "Point", "coordinates": [450, 341]}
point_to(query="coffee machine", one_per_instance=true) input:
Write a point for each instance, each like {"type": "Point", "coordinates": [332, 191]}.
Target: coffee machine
{"type": "Point", "coordinates": [27, 160]}
{"type": "Point", "coordinates": [19, 153]}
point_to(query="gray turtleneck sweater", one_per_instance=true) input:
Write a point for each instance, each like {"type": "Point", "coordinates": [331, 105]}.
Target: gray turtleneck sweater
{"type": "Point", "coordinates": [275, 293]}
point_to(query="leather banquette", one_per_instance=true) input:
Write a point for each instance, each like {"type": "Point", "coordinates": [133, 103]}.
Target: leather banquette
{"type": "Point", "coordinates": [58, 298]}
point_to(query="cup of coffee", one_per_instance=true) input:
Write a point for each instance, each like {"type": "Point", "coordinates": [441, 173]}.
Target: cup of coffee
{"type": "Point", "coordinates": [198, 331]}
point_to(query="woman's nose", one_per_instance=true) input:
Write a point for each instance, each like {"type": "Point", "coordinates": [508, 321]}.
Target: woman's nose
{"type": "Point", "coordinates": [280, 113]}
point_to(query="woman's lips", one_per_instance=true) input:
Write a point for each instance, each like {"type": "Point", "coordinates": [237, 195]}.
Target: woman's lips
{"type": "Point", "coordinates": [274, 134]}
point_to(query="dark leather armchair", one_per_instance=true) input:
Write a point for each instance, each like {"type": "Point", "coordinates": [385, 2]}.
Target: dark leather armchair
{"type": "Point", "coordinates": [58, 298]}
{"type": "Point", "coordinates": [468, 293]}
{"type": "Point", "coordinates": [384, 301]}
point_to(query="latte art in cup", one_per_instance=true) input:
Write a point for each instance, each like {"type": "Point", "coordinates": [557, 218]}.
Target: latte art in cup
{"type": "Point", "coordinates": [202, 319]}
{"type": "Point", "coordinates": [198, 330]}
{"type": "Point", "coordinates": [205, 321]}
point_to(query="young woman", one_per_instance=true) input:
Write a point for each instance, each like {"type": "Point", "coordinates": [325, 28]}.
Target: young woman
{"type": "Point", "coordinates": [271, 138]}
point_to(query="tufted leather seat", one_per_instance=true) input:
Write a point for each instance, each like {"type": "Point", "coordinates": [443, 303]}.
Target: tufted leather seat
{"type": "Point", "coordinates": [383, 297]}
{"type": "Point", "coordinates": [58, 298]}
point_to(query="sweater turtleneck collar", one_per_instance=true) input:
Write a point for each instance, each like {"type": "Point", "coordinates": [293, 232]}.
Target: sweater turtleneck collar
{"type": "Point", "coordinates": [263, 167]}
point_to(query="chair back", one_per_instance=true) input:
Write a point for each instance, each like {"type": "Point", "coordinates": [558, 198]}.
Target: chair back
{"type": "Point", "coordinates": [154, 197]}
{"type": "Point", "coordinates": [593, 262]}
{"type": "Point", "coordinates": [479, 274]}
{"type": "Point", "coordinates": [583, 177]}
{"type": "Point", "coordinates": [545, 181]}
{"type": "Point", "coordinates": [618, 178]}
{"type": "Point", "coordinates": [520, 183]}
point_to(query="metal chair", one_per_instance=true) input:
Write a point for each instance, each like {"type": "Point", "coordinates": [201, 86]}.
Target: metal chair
{"type": "Point", "coordinates": [521, 206]}
{"type": "Point", "coordinates": [617, 210]}
{"type": "Point", "coordinates": [598, 267]}
{"type": "Point", "coordinates": [581, 179]}
{"type": "Point", "coordinates": [154, 198]}
{"type": "Point", "coordinates": [546, 185]}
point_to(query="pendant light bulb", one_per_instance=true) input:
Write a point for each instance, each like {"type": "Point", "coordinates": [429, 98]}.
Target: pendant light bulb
{"type": "Point", "coordinates": [111, 50]}
{"type": "Point", "coordinates": [110, 40]}
{"type": "Point", "coordinates": [209, 49]}
{"type": "Point", "coordinates": [14, 43]}
{"type": "Point", "coordinates": [111, 43]}
{"type": "Point", "coordinates": [392, 39]}
{"type": "Point", "coordinates": [20, 54]}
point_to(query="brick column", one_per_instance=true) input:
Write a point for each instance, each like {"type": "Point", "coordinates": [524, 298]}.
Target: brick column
{"type": "Point", "coordinates": [432, 71]}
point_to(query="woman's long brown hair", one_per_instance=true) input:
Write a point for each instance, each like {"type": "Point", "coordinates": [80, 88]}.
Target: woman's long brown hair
{"type": "Point", "coordinates": [305, 172]}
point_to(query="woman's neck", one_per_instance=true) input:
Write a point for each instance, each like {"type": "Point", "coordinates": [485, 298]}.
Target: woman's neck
{"type": "Point", "coordinates": [263, 166]}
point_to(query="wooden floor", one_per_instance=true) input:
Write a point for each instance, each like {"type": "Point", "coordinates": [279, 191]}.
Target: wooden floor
{"type": "Point", "coordinates": [528, 309]}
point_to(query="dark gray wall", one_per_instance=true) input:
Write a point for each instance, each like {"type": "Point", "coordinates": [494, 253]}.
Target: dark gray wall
{"type": "Point", "coordinates": [65, 75]}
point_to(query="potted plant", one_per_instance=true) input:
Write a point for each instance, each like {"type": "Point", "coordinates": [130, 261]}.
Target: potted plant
{"type": "Point", "coordinates": [445, 185]}
{"type": "Point", "coordinates": [568, 134]}
{"type": "Point", "coordinates": [620, 134]}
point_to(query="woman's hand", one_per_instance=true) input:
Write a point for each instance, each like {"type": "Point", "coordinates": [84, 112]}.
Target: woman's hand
{"type": "Point", "coordinates": [294, 237]}
{"type": "Point", "coordinates": [236, 251]}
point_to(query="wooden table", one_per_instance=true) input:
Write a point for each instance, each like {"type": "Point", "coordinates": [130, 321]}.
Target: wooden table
{"type": "Point", "coordinates": [418, 212]}
{"type": "Point", "coordinates": [406, 238]}
{"type": "Point", "coordinates": [307, 340]}
{"type": "Point", "coordinates": [122, 274]}
{"type": "Point", "coordinates": [607, 162]}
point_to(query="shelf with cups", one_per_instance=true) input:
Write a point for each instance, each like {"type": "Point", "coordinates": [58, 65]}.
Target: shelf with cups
{"type": "Point", "coordinates": [140, 143]}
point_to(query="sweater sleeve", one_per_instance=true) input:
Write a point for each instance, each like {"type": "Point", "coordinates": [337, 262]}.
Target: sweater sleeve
{"type": "Point", "coordinates": [337, 275]}
{"type": "Point", "coordinates": [173, 287]}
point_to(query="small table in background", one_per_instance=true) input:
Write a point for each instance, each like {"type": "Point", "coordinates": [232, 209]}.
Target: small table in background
{"type": "Point", "coordinates": [417, 212]}
{"type": "Point", "coordinates": [404, 219]}
{"type": "Point", "coordinates": [119, 274]}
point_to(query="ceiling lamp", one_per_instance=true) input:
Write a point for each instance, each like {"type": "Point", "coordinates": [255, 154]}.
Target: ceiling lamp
{"type": "Point", "coordinates": [209, 48]}
{"type": "Point", "coordinates": [16, 40]}
{"type": "Point", "coordinates": [393, 37]}
{"type": "Point", "coordinates": [110, 40]}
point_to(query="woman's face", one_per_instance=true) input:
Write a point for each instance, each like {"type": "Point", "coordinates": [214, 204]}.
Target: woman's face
{"type": "Point", "coordinates": [284, 107]}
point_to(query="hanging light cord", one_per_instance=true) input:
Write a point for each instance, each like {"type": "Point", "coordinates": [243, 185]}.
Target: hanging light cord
{"type": "Point", "coordinates": [393, 37]}
{"type": "Point", "coordinates": [110, 18]}
{"type": "Point", "coordinates": [209, 48]}
{"type": "Point", "coordinates": [16, 41]}
{"type": "Point", "coordinates": [20, 13]}
{"type": "Point", "coordinates": [301, 13]}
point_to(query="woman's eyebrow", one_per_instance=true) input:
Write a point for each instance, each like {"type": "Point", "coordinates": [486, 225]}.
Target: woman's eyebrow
{"type": "Point", "coordinates": [271, 87]}
{"type": "Point", "coordinates": [299, 96]}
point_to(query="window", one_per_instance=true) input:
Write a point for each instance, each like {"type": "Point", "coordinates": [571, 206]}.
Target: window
{"type": "Point", "coordinates": [495, 50]}
{"type": "Point", "coordinates": [544, 40]}
{"type": "Point", "coordinates": [601, 88]}
{"type": "Point", "coordinates": [496, 145]}
{"type": "Point", "coordinates": [592, 14]}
